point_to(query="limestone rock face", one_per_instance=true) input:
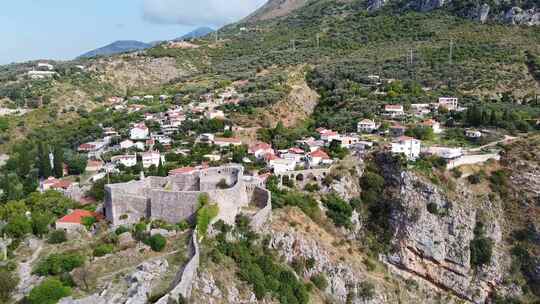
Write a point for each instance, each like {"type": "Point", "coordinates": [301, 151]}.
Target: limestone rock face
{"type": "Point", "coordinates": [374, 5]}
{"type": "Point", "coordinates": [518, 16]}
{"type": "Point", "coordinates": [141, 280]}
{"type": "Point", "coordinates": [435, 247]}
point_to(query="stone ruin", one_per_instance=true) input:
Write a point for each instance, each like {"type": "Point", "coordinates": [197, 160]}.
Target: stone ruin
{"type": "Point", "coordinates": [175, 198]}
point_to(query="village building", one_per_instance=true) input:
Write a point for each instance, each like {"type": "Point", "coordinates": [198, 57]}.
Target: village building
{"type": "Point", "coordinates": [408, 146]}
{"type": "Point", "coordinates": [260, 149]}
{"type": "Point", "coordinates": [93, 149]}
{"type": "Point", "coordinates": [393, 111]}
{"type": "Point", "coordinates": [152, 158]}
{"type": "Point", "coordinates": [74, 221]}
{"type": "Point", "coordinates": [366, 126]}
{"type": "Point", "coordinates": [280, 165]}
{"type": "Point", "coordinates": [94, 165]}
{"type": "Point", "coordinates": [444, 152]}
{"type": "Point", "coordinates": [52, 183]}
{"type": "Point", "coordinates": [224, 142]}
{"type": "Point", "coordinates": [126, 160]}
{"type": "Point", "coordinates": [348, 140]}
{"type": "Point", "coordinates": [139, 132]}
{"type": "Point", "coordinates": [214, 114]}
{"type": "Point", "coordinates": [397, 130]}
{"type": "Point", "coordinates": [126, 144]}
{"type": "Point", "coordinates": [328, 135]}
{"type": "Point", "coordinates": [317, 158]}
{"type": "Point", "coordinates": [474, 134]}
{"type": "Point", "coordinates": [433, 124]}
{"type": "Point", "coordinates": [450, 103]}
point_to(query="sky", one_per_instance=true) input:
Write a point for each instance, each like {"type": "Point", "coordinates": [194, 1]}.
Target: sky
{"type": "Point", "coordinates": [65, 29]}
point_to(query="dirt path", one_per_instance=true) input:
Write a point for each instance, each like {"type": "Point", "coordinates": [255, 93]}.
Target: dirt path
{"type": "Point", "coordinates": [26, 279]}
{"type": "Point", "coordinates": [505, 140]}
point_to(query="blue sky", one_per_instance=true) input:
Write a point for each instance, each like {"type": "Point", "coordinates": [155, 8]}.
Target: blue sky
{"type": "Point", "coordinates": [64, 29]}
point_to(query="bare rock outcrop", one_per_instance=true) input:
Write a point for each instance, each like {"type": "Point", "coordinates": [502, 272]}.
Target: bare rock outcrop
{"type": "Point", "coordinates": [435, 247]}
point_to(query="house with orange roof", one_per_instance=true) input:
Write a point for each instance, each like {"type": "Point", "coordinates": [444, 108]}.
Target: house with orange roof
{"type": "Point", "coordinates": [260, 149]}
{"type": "Point", "coordinates": [74, 220]}
{"type": "Point", "coordinates": [318, 157]}
{"type": "Point", "coordinates": [433, 124]}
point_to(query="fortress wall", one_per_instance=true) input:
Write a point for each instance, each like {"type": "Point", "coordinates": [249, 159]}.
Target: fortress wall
{"type": "Point", "coordinates": [262, 198]}
{"type": "Point", "coordinates": [185, 182]}
{"type": "Point", "coordinates": [173, 207]}
{"type": "Point", "coordinates": [135, 207]}
{"type": "Point", "coordinates": [211, 177]}
{"type": "Point", "coordinates": [156, 181]}
{"type": "Point", "coordinates": [230, 201]}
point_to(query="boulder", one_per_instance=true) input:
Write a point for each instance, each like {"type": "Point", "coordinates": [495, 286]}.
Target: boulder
{"type": "Point", "coordinates": [125, 240]}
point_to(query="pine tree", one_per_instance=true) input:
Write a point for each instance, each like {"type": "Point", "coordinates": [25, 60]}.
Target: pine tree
{"type": "Point", "coordinates": [58, 162]}
{"type": "Point", "coordinates": [44, 162]}
{"type": "Point", "coordinates": [161, 169]}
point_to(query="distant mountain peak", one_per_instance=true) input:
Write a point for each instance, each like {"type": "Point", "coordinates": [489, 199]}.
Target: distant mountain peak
{"type": "Point", "coordinates": [117, 47]}
{"type": "Point", "coordinates": [196, 33]}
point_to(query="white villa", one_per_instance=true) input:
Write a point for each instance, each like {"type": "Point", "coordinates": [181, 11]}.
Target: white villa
{"type": "Point", "coordinates": [408, 146]}
{"type": "Point", "coordinates": [366, 126]}
{"type": "Point", "coordinates": [139, 132]}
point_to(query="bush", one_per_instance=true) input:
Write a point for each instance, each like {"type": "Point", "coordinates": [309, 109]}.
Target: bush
{"type": "Point", "coordinates": [121, 229]}
{"type": "Point", "coordinates": [8, 283]}
{"type": "Point", "coordinates": [312, 187]}
{"type": "Point", "coordinates": [204, 216]}
{"type": "Point", "coordinates": [157, 242]}
{"type": "Point", "coordinates": [58, 263]}
{"type": "Point", "coordinates": [88, 221]}
{"type": "Point", "coordinates": [433, 208]}
{"type": "Point", "coordinates": [481, 247]}
{"type": "Point", "coordinates": [49, 291]}
{"type": "Point", "coordinates": [338, 210]}
{"type": "Point", "coordinates": [320, 281]}
{"type": "Point", "coordinates": [366, 290]}
{"type": "Point", "coordinates": [57, 237]}
{"type": "Point", "coordinates": [18, 226]}
{"type": "Point", "coordinates": [103, 249]}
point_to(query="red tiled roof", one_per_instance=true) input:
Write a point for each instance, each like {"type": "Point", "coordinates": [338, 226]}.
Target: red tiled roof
{"type": "Point", "coordinates": [270, 156]}
{"type": "Point", "coordinates": [319, 153]}
{"type": "Point", "coordinates": [77, 215]}
{"type": "Point", "coordinates": [393, 107]}
{"type": "Point", "coordinates": [296, 150]}
{"type": "Point", "coordinates": [259, 146]}
{"type": "Point", "coordinates": [87, 147]}
{"type": "Point", "coordinates": [64, 184]}
{"type": "Point", "coordinates": [405, 138]}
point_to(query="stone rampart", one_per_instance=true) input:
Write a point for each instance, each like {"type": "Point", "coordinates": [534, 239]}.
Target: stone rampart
{"type": "Point", "coordinates": [262, 199]}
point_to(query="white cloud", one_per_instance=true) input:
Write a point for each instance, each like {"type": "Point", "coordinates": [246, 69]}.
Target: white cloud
{"type": "Point", "coordinates": [198, 12]}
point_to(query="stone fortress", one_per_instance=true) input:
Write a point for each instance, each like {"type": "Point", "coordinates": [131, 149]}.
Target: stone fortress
{"type": "Point", "coordinates": [175, 198]}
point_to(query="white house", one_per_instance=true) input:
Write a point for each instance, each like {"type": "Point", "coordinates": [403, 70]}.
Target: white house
{"type": "Point", "coordinates": [93, 149]}
{"type": "Point", "coordinates": [43, 66]}
{"type": "Point", "coordinates": [152, 158]}
{"type": "Point", "coordinates": [280, 165]}
{"type": "Point", "coordinates": [366, 126]}
{"type": "Point", "coordinates": [126, 160]}
{"type": "Point", "coordinates": [393, 110]}
{"type": "Point", "coordinates": [444, 152]}
{"type": "Point", "coordinates": [214, 114]}
{"type": "Point", "coordinates": [473, 133]}
{"type": "Point", "coordinates": [408, 146]}
{"type": "Point", "coordinates": [223, 142]}
{"type": "Point", "coordinates": [139, 132]}
{"type": "Point", "coordinates": [450, 103]}
{"type": "Point", "coordinates": [349, 140]}
{"type": "Point", "coordinates": [318, 157]}
{"type": "Point", "coordinates": [259, 150]}
{"type": "Point", "coordinates": [328, 135]}
{"type": "Point", "coordinates": [433, 124]}
{"type": "Point", "coordinates": [126, 144]}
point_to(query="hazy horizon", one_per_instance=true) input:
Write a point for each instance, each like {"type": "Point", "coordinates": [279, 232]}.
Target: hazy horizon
{"type": "Point", "coordinates": [63, 29]}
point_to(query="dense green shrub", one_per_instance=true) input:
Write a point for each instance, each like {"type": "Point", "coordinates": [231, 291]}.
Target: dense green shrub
{"type": "Point", "coordinates": [157, 242]}
{"type": "Point", "coordinates": [8, 283]}
{"type": "Point", "coordinates": [103, 249]}
{"type": "Point", "coordinates": [57, 237]}
{"type": "Point", "coordinates": [206, 213]}
{"type": "Point", "coordinates": [48, 292]}
{"type": "Point", "coordinates": [121, 229]}
{"type": "Point", "coordinates": [320, 281]}
{"type": "Point", "coordinates": [338, 210]}
{"type": "Point", "coordinates": [58, 263]}
{"type": "Point", "coordinates": [481, 247]}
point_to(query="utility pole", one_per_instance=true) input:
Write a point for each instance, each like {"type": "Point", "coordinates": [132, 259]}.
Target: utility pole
{"type": "Point", "coordinates": [318, 40]}
{"type": "Point", "coordinates": [293, 44]}
{"type": "Point", "coordinates": [216, 36]}
{"type": "Point", "coordinates": [411, 56]}
{"type": "Point", "coordinates": [451, 51]}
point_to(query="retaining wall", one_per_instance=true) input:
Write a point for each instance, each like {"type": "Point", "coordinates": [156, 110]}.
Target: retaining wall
{"type": "Point", "coordinates": [184, 279]}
